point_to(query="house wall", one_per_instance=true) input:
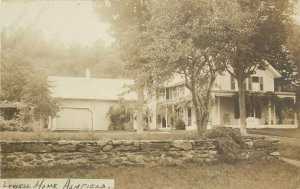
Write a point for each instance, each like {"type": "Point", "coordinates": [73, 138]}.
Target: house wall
{"type": "Point", "coordinates": [224, 105]}
{"type": "Point", "coordinates": [96, 110]}
{"type": "Point", "coordinates": [223, 81]}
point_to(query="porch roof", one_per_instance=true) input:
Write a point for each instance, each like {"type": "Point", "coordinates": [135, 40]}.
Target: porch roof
{"type": "Point", "coordinates": [231, 93]}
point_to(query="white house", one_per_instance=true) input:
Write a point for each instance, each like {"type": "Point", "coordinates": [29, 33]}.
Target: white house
{"type": "Point", "coordinates": [85, 101]}
{"type": "Point", "coordinates": [266, 108]}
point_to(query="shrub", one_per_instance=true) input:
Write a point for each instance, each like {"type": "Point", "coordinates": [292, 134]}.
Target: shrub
{"type": "Point", "coordinates": [228, 143]}
{"type": "Point", "coordinates": [118, 117]}
{"type": "Point", "coordinates": [14, 125]}
{"type": "Point", "coordinates": [180, 125]}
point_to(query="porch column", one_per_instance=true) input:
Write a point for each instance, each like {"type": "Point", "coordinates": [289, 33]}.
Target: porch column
{"type": "Point", "coordinates": [219, 110]}
{"type": "Point", "coordinates": [274, 115]}
{"type": "Point", "coordinates": [270, 112]}
{"type": "Point", "coordinates": [166, 116]}
{"type": "Point", "coordinates": [295, 114]}
{"type": "Point", "coordinates": [173, 116]}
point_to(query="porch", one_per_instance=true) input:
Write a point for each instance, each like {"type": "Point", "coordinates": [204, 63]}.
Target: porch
{"type": "Point", "coordinates": [264, 110]}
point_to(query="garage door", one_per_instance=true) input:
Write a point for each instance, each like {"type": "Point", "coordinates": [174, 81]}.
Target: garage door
{"type": "Point", "coordinates": [74, 119]}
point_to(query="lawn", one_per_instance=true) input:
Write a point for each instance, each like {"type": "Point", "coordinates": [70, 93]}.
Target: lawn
{"type": "Point", "coordinates": [126, 135]}
{"type": "Point", "coordinates": [292, 133]}
{"type": "Point", "coordinates": [259, 175]}
{"type": "Point", "coordinates": [289, 145]}
{"type": "Point", "coordinates": [97, 135]}
{"type": "Point", "coordinates": [289, 151]}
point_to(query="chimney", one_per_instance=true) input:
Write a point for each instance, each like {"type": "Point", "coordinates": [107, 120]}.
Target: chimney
{"type": "Point", "coordinates": [87, 73]}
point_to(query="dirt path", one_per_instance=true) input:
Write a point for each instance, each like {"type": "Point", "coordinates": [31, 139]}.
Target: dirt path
{"type": "Point", "coordinates": [293, 162]}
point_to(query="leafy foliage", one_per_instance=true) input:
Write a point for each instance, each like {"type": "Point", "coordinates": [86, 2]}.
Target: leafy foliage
{"type": "Point", "coordinates": [128, 19]}
{"type": "Point", "coordinates": [14, 125]}
{"type": "Point", "coordinates": [228, 142]}
{"type": "Point", "coordinates": [21, 83]}
{"type": "Point", "coordinates": [256, 32]}
{"type": "Point", "coordinates": [119, 116]}
{"type": "Point", "coordinates": [180, 125]}
{"type": "Point", "coordinates": [182, 37]}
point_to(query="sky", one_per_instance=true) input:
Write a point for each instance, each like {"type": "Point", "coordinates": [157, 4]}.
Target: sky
{"type": "Point", "coordinates": [66, 21]}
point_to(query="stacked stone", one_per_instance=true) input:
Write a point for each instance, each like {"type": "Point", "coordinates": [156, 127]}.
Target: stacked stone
{"type": "Point", "coordinates": [121, 152]}
{"type": "Point", "coordinates": [259, 148]}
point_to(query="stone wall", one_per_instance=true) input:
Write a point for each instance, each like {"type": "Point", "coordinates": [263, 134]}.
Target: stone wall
{"type": "Point", "coordinates": [124, 152]}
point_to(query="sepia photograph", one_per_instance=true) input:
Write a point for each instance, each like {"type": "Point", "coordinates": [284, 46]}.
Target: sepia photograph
{"type": "Point", "coordinates": [150, 94]}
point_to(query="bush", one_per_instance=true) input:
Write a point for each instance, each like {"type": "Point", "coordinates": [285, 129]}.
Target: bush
{"type": "Point", "coordinates": [14, 125]}
{"type": "Point", "coordinates": [228, 142]}
{"type": "Point", "coordinates": [180, 125]}
{"type": "Point", "coordinates": [118, 117]}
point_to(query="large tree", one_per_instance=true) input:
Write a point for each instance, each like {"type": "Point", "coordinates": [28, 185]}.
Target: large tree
{"type": "Point", "coordinates": [294, 48]}
{"type": "Point", "coordinates": [22, 83]}
{"type": "Point", "coordinates": [127, 19]}
{"type": "Point", "coordinates": [184, 38]}
{"type": "Point", "coordinates": [257, 32]}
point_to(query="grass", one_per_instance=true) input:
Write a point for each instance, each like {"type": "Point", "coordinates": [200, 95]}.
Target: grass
{"type": "Point", "coordinates": [292, 133]}
{"type": "Point", "coordinates": [289, 146]}
{"type": "Point", "coordinates": [100, 135]}
{"type": "Point", "coordinates": [260, 175]}
{"type": "Point", "coordinates": [288, 151]}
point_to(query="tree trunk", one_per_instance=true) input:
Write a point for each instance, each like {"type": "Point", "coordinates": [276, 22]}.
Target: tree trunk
{"type": "Point", "coordinates": [140, 110]}
{"type": "Point", "coordinates": [201, 121]}
{"type": "Point", "coordinates": [198, 120]}
{"type": "Point", "coordinates": [242, 105]}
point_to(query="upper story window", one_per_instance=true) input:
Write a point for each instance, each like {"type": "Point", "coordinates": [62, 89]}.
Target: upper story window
{"type": "Point", "coordinates": [162, 93]}
{"type": "Point", "coordinates": [255, 83]}
{"type": "Point", "coordinates": [172, 92]}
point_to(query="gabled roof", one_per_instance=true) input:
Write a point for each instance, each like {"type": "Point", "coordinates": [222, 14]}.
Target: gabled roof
{"type": "Point", "coordinates": [90, 88]}
{"type": "Point", "coordinates": [271, 69]}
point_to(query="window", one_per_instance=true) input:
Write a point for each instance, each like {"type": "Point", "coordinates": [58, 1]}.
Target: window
{"type": "Point", "coordinates": [173, 92]}
{"type": "Point", "coordinates": [255, 83]}
{"type": "Point", "coordinates": [189, 116]}
{"type": "Point", "coordinates": [255, 79]}
{"type": "Point", "coordinates": [162, 93]}
{"type": "Point", "coordinates": [167, 93]}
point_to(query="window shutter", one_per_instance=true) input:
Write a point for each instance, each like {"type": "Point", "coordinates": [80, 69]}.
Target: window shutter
{"type": "Point", "coordinates": [261, 83]}
{"type": "Point", "coordinates": [167, 93]}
